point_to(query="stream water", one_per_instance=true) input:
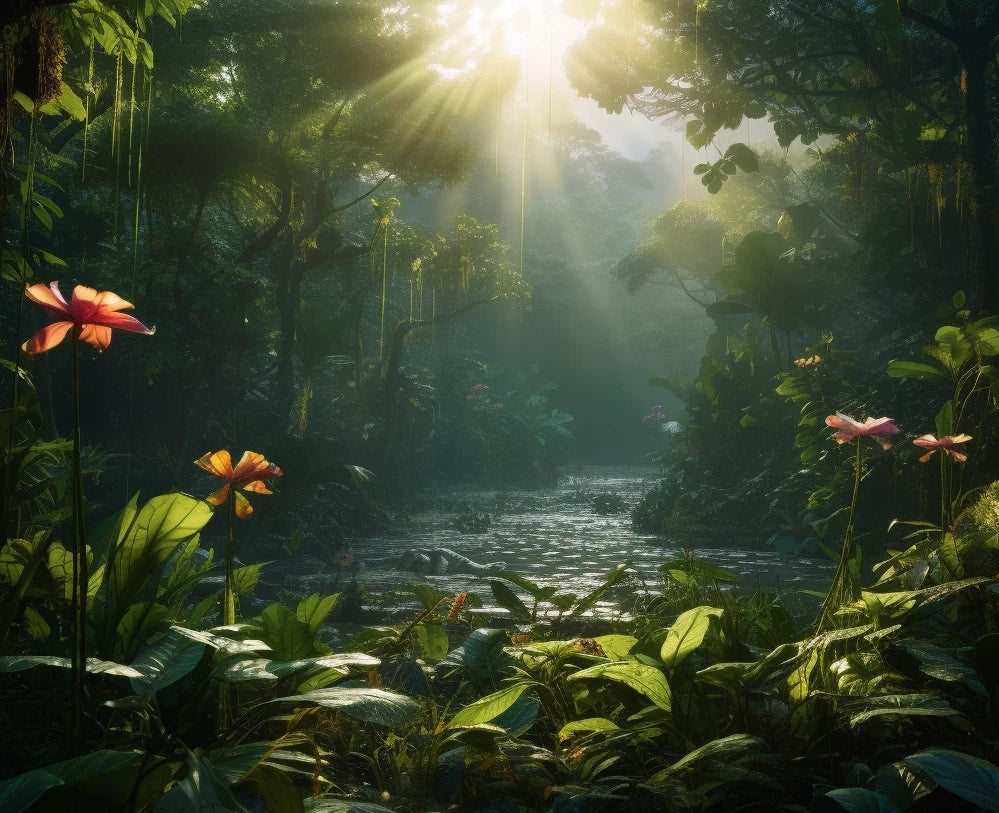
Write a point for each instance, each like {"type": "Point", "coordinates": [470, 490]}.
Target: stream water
{"type": "Point", "coordinates": [551, 536]}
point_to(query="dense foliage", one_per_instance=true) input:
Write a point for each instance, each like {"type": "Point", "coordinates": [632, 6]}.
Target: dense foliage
{"type": "Point", "coordinates": [273, 185]}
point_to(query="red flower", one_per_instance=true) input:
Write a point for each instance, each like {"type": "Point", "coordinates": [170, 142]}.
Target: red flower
{"type": "Point", "coordinates": [945, 444]}
{"type": "Point", "coordinates": [92, 313]}
{"type": "Point", "coordinates": [249, 475]}
{"type": "Point", "coordinates": [848, 429]}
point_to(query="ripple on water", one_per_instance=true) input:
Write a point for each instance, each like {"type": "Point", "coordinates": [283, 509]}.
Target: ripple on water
{"type": "Point", "coordinates": [553, 537]}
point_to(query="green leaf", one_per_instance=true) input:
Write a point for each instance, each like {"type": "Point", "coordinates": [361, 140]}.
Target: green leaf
{"type": "Point", "coordinates": [288, 636]}
{"type": "Point", "coordinates": [862, 800]}
{"type": "Point", "coordinates": [743, 157]}
{"type": "Point", "coordinates": [432, 640]}
{"type": "Point", "coordinates": [940, 664]}
{"type": "Point", "coordinates": [908, 705]}
{"type": "Point", "coordinates": [330, 804]}
{"type": "Point", "coordinates": [145, 543]}
{"type": "Point", "coordinates": [21, 792]}
{"type": "Point", "coordinates": [244, 579]}
{"type": "Point", "coordinates": [726, 748]}
{"type": "Point", "coordinates": [945, 420]}
{"type": "Point", "coordinates": [19, 663]}
{"type": "Point", "coordinates": [588, 725]}
{"type": "Point", "coordinates": [914, 369]}
{"type": "Point", "coordinates": [371, 705]}
{"type": "Point", "coordinates": [312, 610]}
{"type": "Point", "coordinates": [166, 661]}
{"type": "Point", "coordinates": [616, 647]}
{"type": "Point", "coordinates": [966, 776]}
{"type": "Point", "coordinates": [687, 634]}
{"type": "Point", "coordinates": [220, 642]}
{"type": "Point", "coordinates": [488, 708]}
{"type": "Point", "coordinates": [646, 680]}
{"type": "Point", "coordinates": [506, 598]}
{"type": "Point", "coordinates": [137, 625]}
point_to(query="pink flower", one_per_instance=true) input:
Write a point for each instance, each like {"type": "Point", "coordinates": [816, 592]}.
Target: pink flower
{"type": "Point", "coordinates": [91, 313]}
{"type": "Point", "coordinates": [945, 444]}
{"type": "Point", "coordinates": [848, 429]}
{"type": "Point", "coordinates": [655, 415]}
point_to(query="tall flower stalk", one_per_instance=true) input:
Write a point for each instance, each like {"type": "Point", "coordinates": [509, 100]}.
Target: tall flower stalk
{"type": "Point", "coordinates": [844, 583]}
{"type": "Point", "coordinates": [90, 316]}
{"type": "Point", "coordinates": [948, 448]}
{"type": "Point", "coordinates": [248, 475]}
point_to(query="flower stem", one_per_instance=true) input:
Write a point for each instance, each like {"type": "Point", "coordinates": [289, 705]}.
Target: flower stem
{"type": "Point", "coordinates": [840, 588]}
{"type": "Point", "coordinates": [80, 575]}
{"type": "Point", "coordinates": [229, 592]}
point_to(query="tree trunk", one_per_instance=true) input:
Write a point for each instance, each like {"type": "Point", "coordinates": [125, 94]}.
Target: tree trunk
{"type": "Point", "coordinates": [289, 295]}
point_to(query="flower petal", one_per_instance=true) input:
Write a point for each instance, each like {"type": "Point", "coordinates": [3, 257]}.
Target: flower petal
{"type": "Point", "coordinates": [121, 321]}
{"type": "Point", "coordinates": [97, 335]}
{"type": "Point", "coordinates": [960, 458]}
{"type": "Point", "coordinates": [927, 456]}
{"type": "Point", "coordinates": [49, 297]}
{"type": "Point", "coordinates": [219, 463]}
{"type": "Point", "coordinates": [219, 496]}
{"type": "Point", "coordinates": [257, 486]}
{"type": "Point", "coordinates": [47, 338]}
{"type": "Point", "coordinates": [243, 507]}
{"type": "Point", "coordinates": [110, 301]}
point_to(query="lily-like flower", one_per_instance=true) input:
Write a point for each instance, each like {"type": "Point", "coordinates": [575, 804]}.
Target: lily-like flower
{"type": "Point", "coordinates": [92, 313]}
{"type": "Point", "coordinates": [945, 444]}
{"type": "Point", "coordinates": [848, 429]}
{"type": "Point", "coordinates": [249, 475]}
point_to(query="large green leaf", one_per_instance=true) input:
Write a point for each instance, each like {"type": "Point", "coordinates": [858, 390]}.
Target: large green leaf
{"type": "Point", "coordinates": [509, 600]}
{"type": "Point", "coordinates": [21, 792]}
{"type": "Point", "coordinates": [312, 610]}
{"type": "Point", "coordinates": [862, 800]}
{"type": "Point", "coordinates": [646, 680]}
{"type": "Point", "coordinates": [166, 661]}
{"type": "Point", "coordinates": [285, 633]}
{"type": "Point", "coordinates": [18, 663]}
{"type": "Point", "coordinates": [616, 647]}
{"type": "Point", "coordinates": [330, 804]}
{"type": "Point", "coordinates": [138, 624]}
{"type": "Point", "coordinates": [687, 634]}
{"type": "Point", "coordinates": [966, 776]}
{"type": "Point", "coordinates": [915, 369]}
{"type": "Point", "coordinates": [588, 725]}
{"type": "Point", "coordinates": [489, 707]}
{"type": "Point", "coordinates": [725, 748]}
{"type": "Point", "coordinates": [146, 543]}
{"type": "Point", "coordinates": [220, 642]}
{"type": "Point", "coordinates": [908, 705]}
{"type": "Point", "coordinates": [244, 669]}
{"type": "Point", "coordinates": [940, 664]}
{"type": "Point", "coordinates": [433, 640]}
{"type": "Point", "coordinates": [370, 705]}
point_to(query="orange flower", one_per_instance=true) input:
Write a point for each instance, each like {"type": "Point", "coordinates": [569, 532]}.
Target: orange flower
{"type": "Point", "coordinates": [92, 313]}
{"type": "Point", "coordinates": [848, 428]}
{"type": "Point", "coordinates": [459, 602]}
{"type": "Point", "coordinates": [807, 362]}
{"type": "Point", "coordinates": [945, 444]}
{"type": "Point", "coordinates": [249, 475]}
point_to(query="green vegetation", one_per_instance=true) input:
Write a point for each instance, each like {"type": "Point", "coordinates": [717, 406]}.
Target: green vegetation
{"type": "Point", "coordinates": [366, 251]}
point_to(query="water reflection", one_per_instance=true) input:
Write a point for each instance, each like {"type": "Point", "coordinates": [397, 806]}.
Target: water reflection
{"type": "Point", "coordinates": [554, 538]}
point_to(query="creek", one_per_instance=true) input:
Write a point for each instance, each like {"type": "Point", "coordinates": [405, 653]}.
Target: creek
{"type": "Point", "coordinates": [551, 536]}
